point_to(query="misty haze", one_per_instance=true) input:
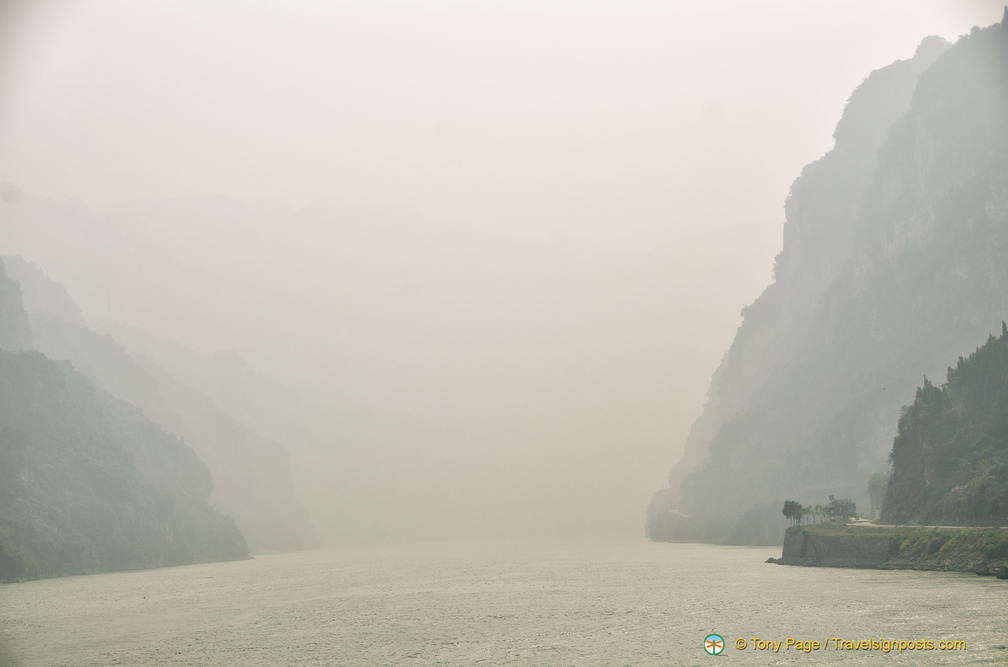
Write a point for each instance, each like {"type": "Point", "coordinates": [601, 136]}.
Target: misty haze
{"type": "Point", "coordinates": [387, 333]}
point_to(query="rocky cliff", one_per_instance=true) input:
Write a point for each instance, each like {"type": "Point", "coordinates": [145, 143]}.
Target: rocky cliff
{"type": "Point", "coordinates": [15, 334]}
{"type": "Point", "coordinates": [893, 264]}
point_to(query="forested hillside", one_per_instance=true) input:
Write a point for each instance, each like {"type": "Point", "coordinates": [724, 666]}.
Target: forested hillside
{"type": "Point", "coordinates": [950, 457]}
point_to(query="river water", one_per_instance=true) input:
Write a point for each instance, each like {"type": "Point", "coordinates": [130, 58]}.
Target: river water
{"type": "Point", "coordinates": [546, 602]}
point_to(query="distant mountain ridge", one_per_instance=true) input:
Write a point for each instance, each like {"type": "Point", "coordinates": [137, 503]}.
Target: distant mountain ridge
{"type": "Point", "coordinates": [87, 483]}
{"type": "Point", "coordinates": [894, 262]}
{"type": "Point", "coordinates": [437, 381]}
{"type": "Point", "coordinates": [251, 475]}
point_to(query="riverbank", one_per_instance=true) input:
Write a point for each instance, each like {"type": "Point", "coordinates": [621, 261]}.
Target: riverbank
{"type": "Point", "coordinates": [941, 548]}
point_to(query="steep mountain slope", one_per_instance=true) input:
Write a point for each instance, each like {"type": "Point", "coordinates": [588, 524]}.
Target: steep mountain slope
{"type": "Point", "coordinates": [88, 484]}
{"type": "Point", "coordinates": [251, 475]}
{"type": "Point", "coordinates": [894, 261]}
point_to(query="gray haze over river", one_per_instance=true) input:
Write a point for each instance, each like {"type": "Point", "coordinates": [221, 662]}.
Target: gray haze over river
{"type": "Point", "coordinates": [584, 602]}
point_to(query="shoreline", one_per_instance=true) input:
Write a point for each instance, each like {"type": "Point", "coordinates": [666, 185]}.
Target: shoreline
{"type": "Point", "coordinates": [983, 550]}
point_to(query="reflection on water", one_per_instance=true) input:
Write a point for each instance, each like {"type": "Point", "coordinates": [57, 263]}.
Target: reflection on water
{"type": "Point", "coordinates": [542, 602]}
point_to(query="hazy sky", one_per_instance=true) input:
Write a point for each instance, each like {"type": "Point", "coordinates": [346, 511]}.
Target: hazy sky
{"type": "Point", "coordinates": [536, 386]}
{"type": "Point", "coordinates": [596, 125]}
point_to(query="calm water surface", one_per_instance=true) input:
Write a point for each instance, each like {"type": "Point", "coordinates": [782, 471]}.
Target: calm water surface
{"type": "Point", "coordinates": [572, 602]}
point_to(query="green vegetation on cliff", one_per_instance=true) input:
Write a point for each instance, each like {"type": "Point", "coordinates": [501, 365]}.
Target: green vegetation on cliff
{"type": "Point", "coordinates": [950, 457]}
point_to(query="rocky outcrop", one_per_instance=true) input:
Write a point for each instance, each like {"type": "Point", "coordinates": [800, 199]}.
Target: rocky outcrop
{"type": "Point", "coordinates": [15, 334]}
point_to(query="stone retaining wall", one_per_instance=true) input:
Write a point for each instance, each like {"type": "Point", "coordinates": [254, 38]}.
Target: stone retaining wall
{"type": "Point", "coordinates": [804, 548]}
